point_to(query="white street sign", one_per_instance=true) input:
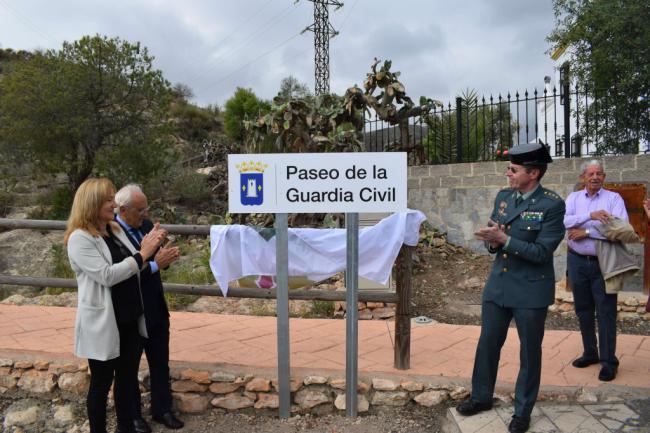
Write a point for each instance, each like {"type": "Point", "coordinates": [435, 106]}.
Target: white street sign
{"type": "Point", "coordinates": [317, 182]}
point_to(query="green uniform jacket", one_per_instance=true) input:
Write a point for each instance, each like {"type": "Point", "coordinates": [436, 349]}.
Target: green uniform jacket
{"type": "Point", "coordinates": [522, 274]}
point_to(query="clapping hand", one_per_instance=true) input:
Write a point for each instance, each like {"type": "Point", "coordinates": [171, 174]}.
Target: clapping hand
{"type": "Point", "coordinates": [494, 233]}
{"type": "Point", "coordinates": [166, 256]}
{"type": "Point", "coordinates": [151, 241]}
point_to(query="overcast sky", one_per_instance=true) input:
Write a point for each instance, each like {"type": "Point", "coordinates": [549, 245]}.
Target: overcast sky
{"type": "Point", "coordinates": [440, 47]}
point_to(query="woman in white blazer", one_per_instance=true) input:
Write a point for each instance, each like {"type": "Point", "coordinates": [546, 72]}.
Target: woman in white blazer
{"type": "Point", "coordinates": [109, 306]}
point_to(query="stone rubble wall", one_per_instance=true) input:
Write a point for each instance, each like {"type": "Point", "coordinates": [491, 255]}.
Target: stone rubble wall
{"type": "Point", "coordinates": [458, 198]}
{"type": "Point", "coordinates": [54, 393]}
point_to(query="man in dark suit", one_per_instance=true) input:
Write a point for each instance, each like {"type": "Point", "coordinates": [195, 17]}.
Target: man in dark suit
{"type": "Point", "coordinates": [525, 228]}
{"type": "Point", "coordinates": [133, 213]}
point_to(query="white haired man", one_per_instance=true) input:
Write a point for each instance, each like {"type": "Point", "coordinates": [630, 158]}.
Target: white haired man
{"type": "Point", "coordinates": [132, 215]}
{"type": "Point", "coordinates": [585, 210]}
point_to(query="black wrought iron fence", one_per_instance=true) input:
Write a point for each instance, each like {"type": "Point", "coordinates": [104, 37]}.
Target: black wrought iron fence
{"type": "Point", "coordinates": [482, 129]}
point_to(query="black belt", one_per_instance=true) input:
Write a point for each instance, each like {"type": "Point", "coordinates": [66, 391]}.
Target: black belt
{"type": "Point", "coordinates": [584, 256]}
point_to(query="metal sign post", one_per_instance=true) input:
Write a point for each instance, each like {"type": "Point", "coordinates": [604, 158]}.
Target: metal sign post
{"type": "Point", "coordinates": [320, 183]}
{"type": "Point", "coordinates": [352, 314]}
{"type": "Point", "coordinates": [282, 306]}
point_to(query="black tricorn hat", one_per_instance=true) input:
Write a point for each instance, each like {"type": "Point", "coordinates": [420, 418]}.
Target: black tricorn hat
{"type": "Point", "coordinates": [530, 154]}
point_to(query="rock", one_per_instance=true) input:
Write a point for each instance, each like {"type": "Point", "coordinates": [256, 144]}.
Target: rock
{"type": "Point", "coordinates": [384, 384]}
{"type": "Point", "coordinates": [196, 376]}
{"type": "Point", "coordinates": [259, 384]}
{"type": "Point", "coordinates": [459, 393]}
{"type": "Point", "coordinates": [294, 384]}
{"type": "Point", "coordinates": [31, 254]}
{"type": "Point", "coordinates": [373, 305]}
{"type": "Point", "coordinates": [41, 365]}
{"type": "Point", "coordinates": [76, 383]}
{"type": "Point", "coordinates": [190, 403]}
{"type": "Point", "coordinates": [222, 377]}
{"type": "Point", "coordinates": [66, 368]}
{"type": "Point", "coordinates": [362, 403]}
{"type": "Point", "coordinates": [363, 387]}
{"type": "Point", "coordinates": [188, 386]}
{"type": "Point", "coordinates": [224, 387]}
{"type": "Point", "coordinates": [439, 242]}
{"type": "Point", "coordinates": [431, 398]}
{"type": "Point", "coordinates": [629, 309]}
{"type": "Point", "coordinates": [585, 396]}
{"type": "Point", "coordinates": [383, 313]}
{"type": "Point", "coordinates": [627, 316]}
{"type": "Point", "coordinates": [631, 301]}
{"type": "Point", "coordinates": [64, 414]}
{"type": "Point", "coordinates": [6, 362]}
{"type": "Point", "coordinates": [365, 314]}
{"type": "Point", "coordinates": [339, 305]}
{"type": "Point", "coordinates": [390, 398]}
{"type": "Point", "coordinates": [565, 307]}
{"type": "Point", "coordinates": [205, 170]}
{"type": "Point", "coordinates": [409, 385]}
{"type": "Point", "coordinates": [232, 402]}
{"type": "Point", "coordinates": [318, 380]}
{"type": "Point", "coordinates": [23, 364]}
{"type": "Point", "coordinates": [337, 383]}
{"type": "Point", "coordinates": [471, 283]}
{"type": "Point", "coordinates": [37, 381]}
{"type": "Point", "coordinates": [267, 401]}
{"type": "Point", "coordinates": [21, 417]}
{"type": "Point", "coordinates": [307, 398]}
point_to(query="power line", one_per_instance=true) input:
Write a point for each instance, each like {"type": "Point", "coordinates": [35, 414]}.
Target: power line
{"type": "Point", "coordinates": [221, 80]}
{"type": "Point", "coordinates": [26, 21]}
{"type": "Point", "coordinates": [268, 24]}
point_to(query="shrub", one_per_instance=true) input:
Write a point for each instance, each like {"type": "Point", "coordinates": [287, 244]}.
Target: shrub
{"type": "Point", "coordinates": [62, 269]}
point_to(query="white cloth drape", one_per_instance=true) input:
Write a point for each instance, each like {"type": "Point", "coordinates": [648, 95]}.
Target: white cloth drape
{"type": "Point", "coordinates": [238, 250]}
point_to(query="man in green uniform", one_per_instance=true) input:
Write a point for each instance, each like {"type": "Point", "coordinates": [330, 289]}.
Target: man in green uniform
{"type": "Point", "coordinates": [525, 228]}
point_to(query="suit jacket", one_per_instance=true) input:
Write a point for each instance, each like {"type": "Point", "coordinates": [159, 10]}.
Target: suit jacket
{"type": "Point", "coordinates": [153, 295]}
{"type": "Point", "coordinates": [96, 333]}
{"type": "Point", "coordinates": [522, 274]}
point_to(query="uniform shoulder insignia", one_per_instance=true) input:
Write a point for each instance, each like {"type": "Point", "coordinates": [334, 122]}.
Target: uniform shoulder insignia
{"type": "Point", "coordinates": [550, 194]}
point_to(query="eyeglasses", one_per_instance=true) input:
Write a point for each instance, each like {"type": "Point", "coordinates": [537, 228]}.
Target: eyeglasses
{"type": "Point", "coordinates": [141, 211]}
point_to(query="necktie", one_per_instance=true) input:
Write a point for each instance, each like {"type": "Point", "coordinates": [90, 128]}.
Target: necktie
{"type": "Point", "coordinates": [519, 199]}
{"type": "Point", "coordinates": [136, 235]}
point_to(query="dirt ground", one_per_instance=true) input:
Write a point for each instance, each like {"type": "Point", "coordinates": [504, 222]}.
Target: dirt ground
{"type": "Point", "coordinates": [448, 283]}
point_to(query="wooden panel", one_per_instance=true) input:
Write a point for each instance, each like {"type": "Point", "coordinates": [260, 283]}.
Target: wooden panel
{"type": "Point", "coordinates": [633, 195]}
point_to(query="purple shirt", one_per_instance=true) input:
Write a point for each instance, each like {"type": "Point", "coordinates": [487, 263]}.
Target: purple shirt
{"type": "Point", "coordinates": [578, 209]}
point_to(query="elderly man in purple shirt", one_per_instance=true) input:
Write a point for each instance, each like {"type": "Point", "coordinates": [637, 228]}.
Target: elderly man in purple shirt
{"type": "Point", "coordinates": [585, 210]}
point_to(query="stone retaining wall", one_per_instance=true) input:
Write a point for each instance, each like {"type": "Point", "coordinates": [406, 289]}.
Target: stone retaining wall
{"type": "Point", "coordinates": [62, 386]}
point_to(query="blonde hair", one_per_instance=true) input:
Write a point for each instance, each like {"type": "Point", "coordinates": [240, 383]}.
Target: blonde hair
{"type": "Point", "coordinates": [88, 200]}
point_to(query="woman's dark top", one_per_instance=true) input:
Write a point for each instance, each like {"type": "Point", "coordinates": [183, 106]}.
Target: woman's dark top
{"type": "Point", "coordinates": [127, 302]}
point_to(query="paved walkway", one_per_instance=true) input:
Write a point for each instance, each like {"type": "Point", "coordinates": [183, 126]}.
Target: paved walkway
{"type": "Point", "coordinates": [438, 351]}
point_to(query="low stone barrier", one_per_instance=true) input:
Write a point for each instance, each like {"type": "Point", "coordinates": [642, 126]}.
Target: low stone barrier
{"type": "Point", "coordinates": [52, 393]}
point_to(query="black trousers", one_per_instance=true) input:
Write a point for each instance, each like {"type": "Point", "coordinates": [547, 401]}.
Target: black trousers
{"type": "Point", "coordinates": [125, 371]}
{"type": "Point", "coordinates": [156, 348]}
{"type": "Point", "coordinates": [494, 329]}
{"type": "Point", "coordinates": [593, 304]}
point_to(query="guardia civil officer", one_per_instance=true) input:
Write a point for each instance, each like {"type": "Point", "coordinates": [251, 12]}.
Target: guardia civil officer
{"type": "Point", "coordinates": [525, 227]}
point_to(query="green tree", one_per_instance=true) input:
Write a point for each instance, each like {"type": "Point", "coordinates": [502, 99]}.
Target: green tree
{"type": "Point", "coordinates": [608, 43]}
{"type": "Point", "coordinates": [485, 128]}
{"type": "Point", "coordinates": [291, 88]}
{"type": "Point", "coordinates": [243, 105]}
{"type": "Point", "coordinates": [68, 108]}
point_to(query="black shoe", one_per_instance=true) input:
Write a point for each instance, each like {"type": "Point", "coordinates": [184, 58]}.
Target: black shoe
{"type": "Point", "coordinates": [607, 373]}
{"type": "Point", "coordinates": [169, 420]}
{"type": "Point", "coordinates": [583, 362]}
{"type": "Point", "coordinates": [470, 407]}
{"type": "Point", "coordinates": [519, 425]}
{"type": "Point", "coordinates": [122, 429]}
{"type": "Point", "coordinates": [141, 425]}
